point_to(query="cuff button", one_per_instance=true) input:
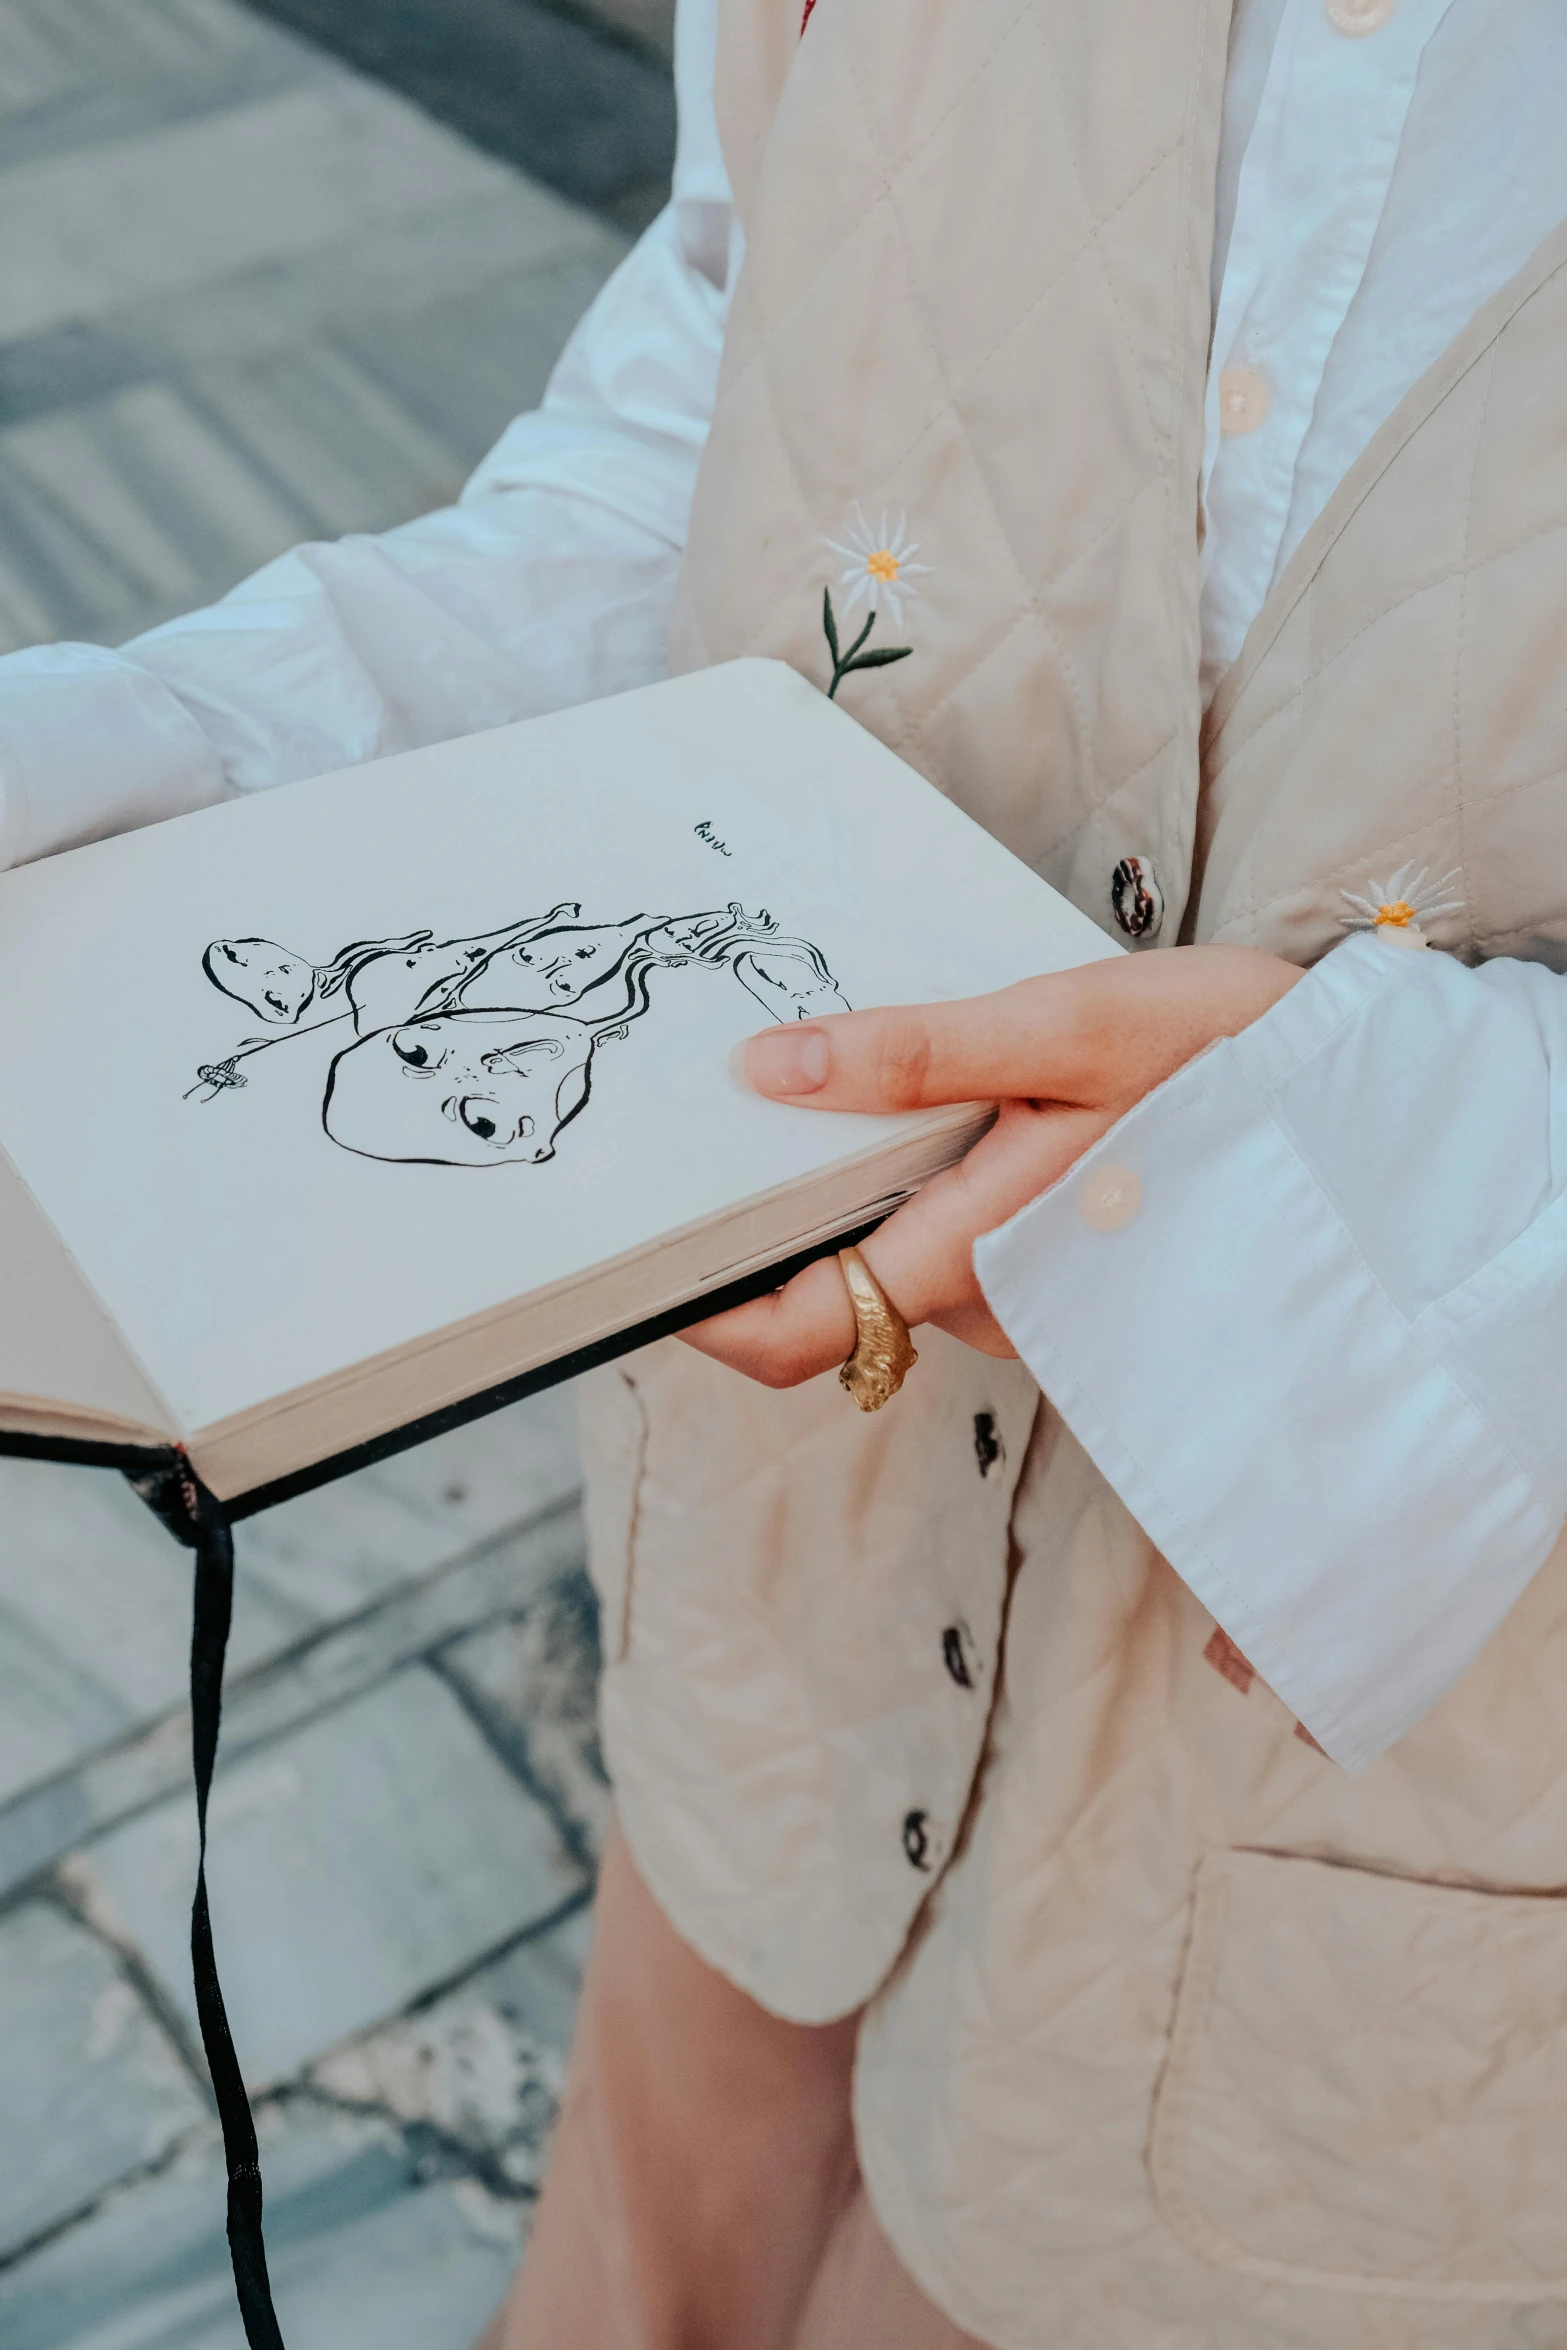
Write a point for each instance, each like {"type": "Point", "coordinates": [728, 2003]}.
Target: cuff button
{"type": "Point", "coordinates": [1109, 1197]}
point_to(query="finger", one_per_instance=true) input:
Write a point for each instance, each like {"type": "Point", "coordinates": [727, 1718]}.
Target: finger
{"type": "Point", "coordinates": [978, 1328]}
{"type": "Point", "coordinates": [921, 1260]}
{"type": "Point", "coordinates": [1099, 1036]}
{"type": "Point", "coordinates": [905, 1056]}
{"type": "Point", "coordinates": [791, 1334]}
{"type": "Point", "coordinates": [923, 1256]}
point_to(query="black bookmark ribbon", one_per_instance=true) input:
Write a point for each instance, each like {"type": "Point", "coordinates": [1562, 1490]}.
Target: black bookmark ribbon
{"type": "Point", "coordinates": [199, 1520]}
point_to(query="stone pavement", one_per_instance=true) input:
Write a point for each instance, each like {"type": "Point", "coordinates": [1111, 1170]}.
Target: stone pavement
{"type": "Point", "coordinates": [404, 1826]}
{"type": "Point", "coordinates": [580, 100]}
{"type": "Point", "coordinates": [246, 297]}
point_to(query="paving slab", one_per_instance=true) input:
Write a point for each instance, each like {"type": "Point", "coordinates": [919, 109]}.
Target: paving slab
{"type": "Point", "coordinates": [555, 93]}
{"type": "Point", "coordinates": [532, 1679]}
{"type": "Point", "coordinates": [484, 2066]}
{"type": "Point", "coordinates": [247, 298]}
{"type": "Point", "coordinates": [51, 1710]}
{"type": "Point", "coordinates": [91, 2086]}
{"type": "Point", "coordinates": [47, 1820]}
{"type": "Point", "coordinates": [335, 1551]}
{"type": "Point", "coordinates": [510, 332]}
{"type": "Point", "coordinates": [538, 1982]}
{"type": "Point", "coordinates": [373, 2244]}
{"type": "Point", "coordinates": [75, 73]}
{"type": "Point", "coordinates": [124, 510]}
{"type": "Point", "coordinates": [95, 1617]}
{"type": "Point", "coordinates": [506, 237]}
{"type": "Point", "coordinates": [649, 22]}
{"type": "Point", "coordinates": [95, 1594]}
{"type": "Point", "coordinates": [284, 174]}
{"type": "Point", "coordinates": [371, 1855]}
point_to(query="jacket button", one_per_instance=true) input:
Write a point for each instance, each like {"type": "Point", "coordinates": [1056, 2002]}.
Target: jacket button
{"type": "Point", "coordinates": [957, 1648]}
{"type": "Point", "coordinates": [1136, 899]}
{"type": "Point", "coordinates": [987, 1444]}
{"type": "Point", "coordinates": [916, 1839]}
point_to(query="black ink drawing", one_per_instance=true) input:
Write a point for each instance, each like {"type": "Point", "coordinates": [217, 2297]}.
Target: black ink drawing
{"type": "Point", "coordinates": [476, 1052]}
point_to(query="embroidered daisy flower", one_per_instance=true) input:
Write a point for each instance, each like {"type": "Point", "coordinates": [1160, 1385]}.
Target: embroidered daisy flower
{"type": "Point", "coordinates": [878, 565]}
{"type": "Point", "coordinates": [1397, 907]}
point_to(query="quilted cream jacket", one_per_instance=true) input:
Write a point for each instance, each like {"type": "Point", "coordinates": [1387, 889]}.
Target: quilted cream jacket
{"type": "Point", "coordinates": [1177, 2038]}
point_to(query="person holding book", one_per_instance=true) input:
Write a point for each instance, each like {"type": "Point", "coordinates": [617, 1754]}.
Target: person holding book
{"type": "Point", "coordinates": [1090, 1834]}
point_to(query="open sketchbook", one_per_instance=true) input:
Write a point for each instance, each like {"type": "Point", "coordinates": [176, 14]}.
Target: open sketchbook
{"type": "Point", "coordinates": [326, 1110]}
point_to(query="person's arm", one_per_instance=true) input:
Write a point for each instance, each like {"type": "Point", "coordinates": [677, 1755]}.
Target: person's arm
{"type": "Point", "coordinates": [1301, 1293]}
{"type": "Point", "coordinates": [549, 582]}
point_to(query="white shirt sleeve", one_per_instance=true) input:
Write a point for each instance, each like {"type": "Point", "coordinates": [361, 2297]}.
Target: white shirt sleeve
{"type": "Point", "coordinates": [1324, 1361]}
{"type": "Point", "coordinates": [549, 582]}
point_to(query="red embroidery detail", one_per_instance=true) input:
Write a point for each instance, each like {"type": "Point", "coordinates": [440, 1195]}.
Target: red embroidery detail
{"type": "Point", "coordinates": [1227, 1660]}
{"type": "Point", "coordinates": [806, 18]}
{"type": "Point", "coordinates": [1306, 1739]}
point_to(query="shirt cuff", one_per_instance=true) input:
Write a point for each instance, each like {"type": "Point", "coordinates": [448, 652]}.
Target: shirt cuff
{"type": "Point", "coordinates": [91, 744]}
{"type": "Point", "coordinates": [1193, 1302]}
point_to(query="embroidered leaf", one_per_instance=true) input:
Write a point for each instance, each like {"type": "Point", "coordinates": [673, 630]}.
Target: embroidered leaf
{"type": "Point", "coordinates": [855, 658]}
{"type": "Point", "coordinates": [878, 657]}
{"type": "Point", "coordinates": [848, 658]}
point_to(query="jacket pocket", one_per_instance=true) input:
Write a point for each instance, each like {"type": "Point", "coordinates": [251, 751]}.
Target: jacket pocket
{"type": "Point", "coordinates": [612, 1430]}
{"type": "Point", "coordinates": [1367, 2084]}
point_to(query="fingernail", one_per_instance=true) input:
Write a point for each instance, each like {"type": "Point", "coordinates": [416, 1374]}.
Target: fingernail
{"type": "Point", "coordinates": [781, 1061]}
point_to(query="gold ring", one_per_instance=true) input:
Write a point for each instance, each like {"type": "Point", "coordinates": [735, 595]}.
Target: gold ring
{"type": "Point", "coordinates": [883, 1351]}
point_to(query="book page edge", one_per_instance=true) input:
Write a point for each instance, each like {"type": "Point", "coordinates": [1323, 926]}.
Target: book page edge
{"type": "Point", "coordinates": [255, 1448]}
{"type": "Point", "coordinates": [38, 1275]}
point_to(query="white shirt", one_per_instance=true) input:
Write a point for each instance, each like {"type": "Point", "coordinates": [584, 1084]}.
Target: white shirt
{"type": "Point", "coordinates": [1349, 251]}
{"type": "Point", "coordinates": [1359, 1480]}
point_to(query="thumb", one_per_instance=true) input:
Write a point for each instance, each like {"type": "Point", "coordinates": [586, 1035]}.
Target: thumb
{"type": "Point", "coordinates": [905, 1056]}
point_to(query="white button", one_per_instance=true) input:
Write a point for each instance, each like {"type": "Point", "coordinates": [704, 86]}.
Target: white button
{"type": "Point", "coordinates": [1243, 400]}
{"type": "Point", "coordinates": [1359, 17]}
{"type": "Point", "coordinates": [1108, 1198]}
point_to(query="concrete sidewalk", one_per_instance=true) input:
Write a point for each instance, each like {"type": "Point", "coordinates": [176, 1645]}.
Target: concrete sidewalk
{"type": "Point", "coordinates": [246, 298]}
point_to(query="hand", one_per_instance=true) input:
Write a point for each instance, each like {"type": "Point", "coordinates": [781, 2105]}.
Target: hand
{"type": "Point", "coordinates": [1065, 1057]}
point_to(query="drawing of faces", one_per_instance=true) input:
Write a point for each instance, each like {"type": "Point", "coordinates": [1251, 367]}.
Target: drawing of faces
{"type": "Point", "coordinates": [465, 1053]}
{"type": "Point", "coordinates": [390, 988]}
{"type": "Point", "coordinates": [411, 978]}
{"type": "Point", "coordinates": [790, 981]}
{"type": "Point", "coordinates": [257, 972]}
{"type": "Point", "coordinates": [553, 967]}
{"type": "Point", "coordinates": [463, 1089]}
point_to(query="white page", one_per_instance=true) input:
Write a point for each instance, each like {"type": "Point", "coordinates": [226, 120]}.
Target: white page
{"type": "Point", "coordinates": [244, 1248]}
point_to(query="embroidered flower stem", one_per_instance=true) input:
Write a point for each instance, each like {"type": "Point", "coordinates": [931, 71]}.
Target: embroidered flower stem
{"type": "Point", "coordinates": [878, 657]}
